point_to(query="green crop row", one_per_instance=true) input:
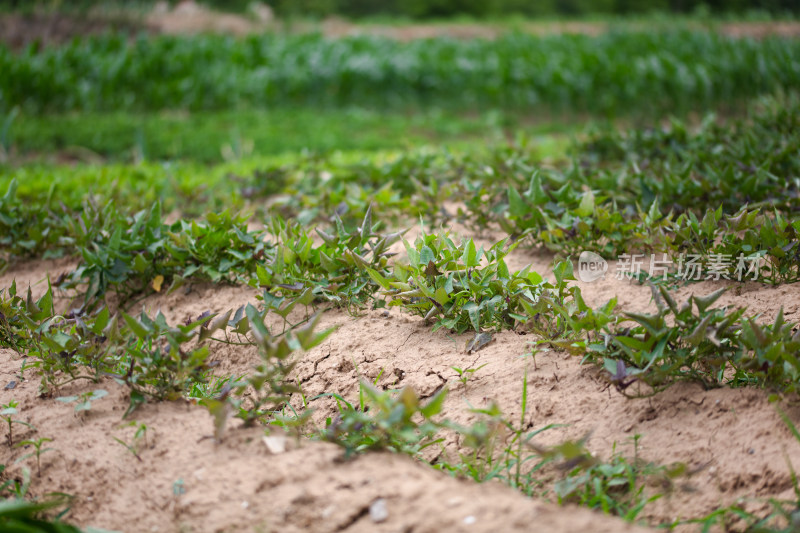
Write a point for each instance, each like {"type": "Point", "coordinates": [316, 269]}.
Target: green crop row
{"type": "Point", "coordinates": [130, 254]}
{"type": "Point", "coordinates": [162, 362]}
{"type": "Point", "coordinates": [617, 72]}
{"type": "Point", "coordinates": [732, 163]}
{"type": "Point", "coordinates": [749, 161]}
{"type": "Point", "coordinates": [156, 360]}
{"type": "Point", "coordinates": [641, 192]}
{"type": "Point", "coordinates": [460, 286]}
{"type": "Point", "coordinates": [692, 341]}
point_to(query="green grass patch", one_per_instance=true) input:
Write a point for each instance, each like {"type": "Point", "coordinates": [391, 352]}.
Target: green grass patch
{"type": "Point", "coordinates": [213, 137]}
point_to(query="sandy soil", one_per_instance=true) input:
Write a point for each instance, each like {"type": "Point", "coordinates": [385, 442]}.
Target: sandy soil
{"type": "Point", "coordinates": [185, 482]}
{"type": "Point", "coordinates": [339, 28]}
{"type": "Point", "coordinates": [732, 440]}
{"type": "Point", "coordinates": [18, 31]}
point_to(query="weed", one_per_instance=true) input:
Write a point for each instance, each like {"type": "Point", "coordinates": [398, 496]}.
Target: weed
{"type": "Point", "coordinates": [38, 451]}
{"type": "Point", "coordinates": [464, 374]}
{"type": "Point", "coordinates": [384, 421]}
{"type": "Point", "coordinates": [7, 413]}
{"type": "Point", "coordinates": [83, 401]}
{"type": "Point", "coordinates": [499, 449]}
{"type": "Point", "coordinates": [616, 487]}
{"type": "Point", "coordinates": [131, 447]}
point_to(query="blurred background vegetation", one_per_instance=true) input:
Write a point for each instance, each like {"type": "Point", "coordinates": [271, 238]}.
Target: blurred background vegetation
{"type": "Point", "coordinates": [425, 9]}
{"type": "Point", "coordinates": [88, 80]}
{"type": "Point", "coordinates": [494, 8]}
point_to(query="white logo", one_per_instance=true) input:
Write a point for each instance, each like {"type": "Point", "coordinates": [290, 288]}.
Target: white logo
{"type": "Point", "coordinates": [591, 267]}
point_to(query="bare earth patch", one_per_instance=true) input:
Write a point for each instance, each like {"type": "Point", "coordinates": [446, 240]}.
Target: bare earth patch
{"type": "Point", "coordinates": [335, 27]}
{"type": "Point", "coordinates": [186, 482]}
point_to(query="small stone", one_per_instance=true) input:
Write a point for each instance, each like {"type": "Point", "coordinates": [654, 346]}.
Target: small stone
{"type": "Point", "coordinates": [275, 443]}
{"type": "Point", "coordinates": [468, 521]}
{"type": "Point", "coordinates": [378, 511]}
{"type": "Point", "coordinates": [11, 385]}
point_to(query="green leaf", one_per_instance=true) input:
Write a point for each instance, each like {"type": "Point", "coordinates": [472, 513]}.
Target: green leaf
{"type": "Point", "coordinates": [586, 207]}
{"type": "Point", "coordinates": [328, 239]}
{"type": "Point", "coordinates": [97, 394]}
{"type": "Point", "coordinates": [45, 303]}
{"type": "Point", "coordinates": [327, 263]}
{"type": "Point", "coordinates": [470, 255]}
{"type": "Point", "coordinates": [413, 255]}
{"type": "Point", "coordinates": [136, 327]}
{"type": "Point", "coordinates": [264, 277]}
{"type": "Point", "coordinates": [473, 311]}
{"type": "Point", "coordinates": [101, 321]}
{"type": "Point", "coordinates": [535, 192]}
{"type": "Point", "coordinates": [425, 255]}
{"type": "Point", "coordinates": [59, 338]}
{"type": "Point", "coordinates": [516, 205]}
{"type": "Point", "coordinates": [563, 271]}
{"type": "Point", "coordinates": [66, 399]}
{"type": "Point", "coordinates": [535, 278]}
{"type": "Point", "coordinates": [137, 399]}
{"type": "Point", "coordinates": [654, 323]}
{"type": "Point", "coordinates": [699, 334]}
{"type": "Point", "coordinates": [379, 279]}
{"type": "Point", "coordinates": [434, 406]}
{"type": "Point", "coordinates": [217, 323]}
{"type": "Point", "coordinates": [366, 225]}
{"type": "Point", "coordinates": [610, 365]}
{"type": "Point", "coordinates": [259, 330]}
{"type": "Point", "coordinates": [139, 263]}
{"type": "Point", "coordinates": [32, 308]}
{"type": "Point", "coordinates": [441, 296]}
{"type": "Point", "coordinates": [357, 259]}
{"type": "Point", "coordinates": [704, 302]}
{"type": "Point", "coordinates": [111, 331]}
